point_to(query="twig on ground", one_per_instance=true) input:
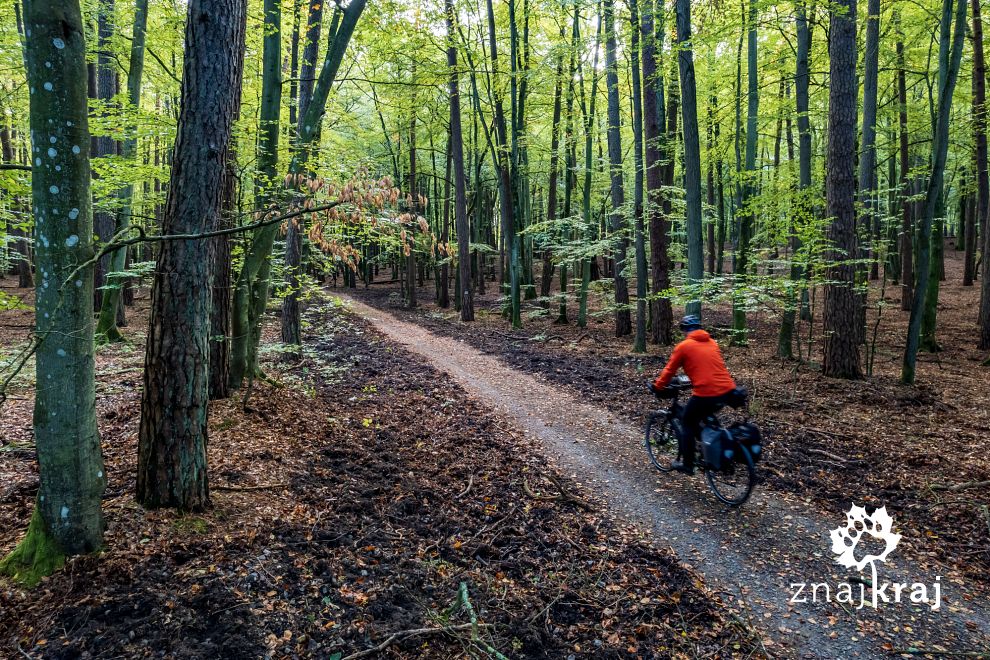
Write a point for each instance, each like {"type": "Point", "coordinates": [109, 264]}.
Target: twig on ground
{"type": "Point", "coordinates": [259, 487]}
{"type": "Point", "coordinates": [468, 489]}
{"type": "Point", "coordinates": [564, 496]}
{"type": "Point", "coordinates": [414, 632]}
{"type": "Point", "coordinates": [826, 454]}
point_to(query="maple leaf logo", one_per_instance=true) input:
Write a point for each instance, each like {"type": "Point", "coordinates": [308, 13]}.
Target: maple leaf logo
{"type": "Point", "coordinates": [858, 522]}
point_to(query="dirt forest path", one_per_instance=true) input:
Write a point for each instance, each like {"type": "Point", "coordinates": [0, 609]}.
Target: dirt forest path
{"type": "Point", "coordinates": [750, 555]}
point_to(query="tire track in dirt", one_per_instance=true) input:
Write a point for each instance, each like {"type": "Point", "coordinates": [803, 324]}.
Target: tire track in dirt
{"type": "Point", "coordinates": [751, 555]}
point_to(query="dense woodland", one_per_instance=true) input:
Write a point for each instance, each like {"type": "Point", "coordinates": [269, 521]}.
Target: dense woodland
{"type": "Point", "coordinates": [177, 174]}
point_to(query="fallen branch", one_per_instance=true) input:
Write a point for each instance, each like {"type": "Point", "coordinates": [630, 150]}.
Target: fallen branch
{"type": "Point", "coordinates": [243, 488]}
{"type": "Point", "coordinates": [414, 632]}
{"type": "Point", "coordinates": [564, 496]}
{"type": "Point", "coordinates": [826, 454]}
{"type": "Point", "coordinates": [963, 486]}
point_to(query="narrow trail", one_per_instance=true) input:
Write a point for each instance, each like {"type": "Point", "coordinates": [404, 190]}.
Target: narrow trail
{"type": "Point", "coordinates": [751, 555]}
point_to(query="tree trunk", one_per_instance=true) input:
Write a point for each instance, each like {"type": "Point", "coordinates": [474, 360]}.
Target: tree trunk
{"type": "Point", "coordinates": [639, 343]}
{"type": "Point", "coordinates": [172, 439]}
{"type": "Point", "coordinates": [460, 183]}
{"type": "Point", "coordinates": [692, 156]}
{"type": "Point", "coordinates": [623, 318]}
{"type": "Point", "coordinates": [106, 327]}
{"type": "Point", "coordinates": [106, 88]}
{"type": "Point", "coordinates": [841, 352]}
{"type": "Point", "coordinates": [588, 116]}
{"type": "Point", "coordinates": [662, 314]}
{"type": "Point", "coordinates": [547, 275]}
{"type": "Point", "coordinates": [982, 181]}
{"type": "Point", "coordinates": [867, 159]}
{"type": "Point", "coordinates": [748, 214]}
{"type": "Point", "coordinates": [785, 340]}
{"type": "Point", "coordinates": [948, 72]}
{"type": "Point", "coordinates": [251, 288]}
{"type": "Point", "coordinates": [906, 238]}
{"type": "Point", "coordinates": [67, 518]}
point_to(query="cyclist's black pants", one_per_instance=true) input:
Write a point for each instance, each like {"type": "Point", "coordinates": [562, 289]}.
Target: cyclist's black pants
{"type": "Point", "coordinates": [695, 412]}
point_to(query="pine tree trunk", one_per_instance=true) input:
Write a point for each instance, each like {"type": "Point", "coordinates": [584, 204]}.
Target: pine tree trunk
{"type": "Point", "coordinates": [172, 439]}
{"type": "Point", "coordinates": [841, 350]}
{"type": "Point", "coordinates": [68, 518]}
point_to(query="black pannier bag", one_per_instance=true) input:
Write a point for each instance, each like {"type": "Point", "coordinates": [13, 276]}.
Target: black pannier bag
{"type": "Point", "coordinates": [748, 435]}
{"type": "Point", "coordinates": [716, 445]}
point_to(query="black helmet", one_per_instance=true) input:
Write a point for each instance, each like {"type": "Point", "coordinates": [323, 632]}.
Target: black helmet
{"type": "Point", "coordinates": [690, 322]}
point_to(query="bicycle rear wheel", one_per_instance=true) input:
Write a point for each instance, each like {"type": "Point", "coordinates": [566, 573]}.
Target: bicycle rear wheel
{"type": "Point", "coordinates": [661, 442]}
{"type": "Point", "coordinates": [734, 483]}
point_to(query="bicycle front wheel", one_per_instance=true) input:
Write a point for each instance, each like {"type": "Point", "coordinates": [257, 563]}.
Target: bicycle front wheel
{"type": "Point", "coordinates": [661, 442]}
{"type": "Point", "coordinates": [733, 483]}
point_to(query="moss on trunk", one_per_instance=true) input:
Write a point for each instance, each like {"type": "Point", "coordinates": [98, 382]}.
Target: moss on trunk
{"type": "Point", "coordinates": [38, 554]}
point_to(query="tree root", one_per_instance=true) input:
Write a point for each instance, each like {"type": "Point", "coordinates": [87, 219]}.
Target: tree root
{"type": "Point", "coordinates": [38, 555]}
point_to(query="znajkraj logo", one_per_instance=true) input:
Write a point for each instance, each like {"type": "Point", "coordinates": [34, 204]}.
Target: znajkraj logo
{"type": "Point", "coordinates": [845, 542]}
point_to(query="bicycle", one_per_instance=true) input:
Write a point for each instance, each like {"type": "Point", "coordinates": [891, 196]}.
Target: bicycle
{"type": "Point", "coordinates": [732, 482]}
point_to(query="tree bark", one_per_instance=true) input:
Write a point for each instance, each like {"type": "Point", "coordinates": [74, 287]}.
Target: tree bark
{"type": "Point", "coordinates": [172, 470]}
{"type": "Point", "coordinates": [68, 518]}
{"type": "Point", "coordinates": [106, 88]}
{"type": "Point", "coordinates": [841, 347]}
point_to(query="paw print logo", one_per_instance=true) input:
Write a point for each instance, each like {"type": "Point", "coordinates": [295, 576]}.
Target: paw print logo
{"type": "Point", "coordinates": [858, 522]}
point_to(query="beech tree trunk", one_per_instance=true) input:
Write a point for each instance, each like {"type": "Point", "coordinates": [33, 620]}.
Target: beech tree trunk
{"type": "Point", "coordinates": [692, 156]}
{"type": "Point", "coordinates": [623, 317]}
{"type": "Point", "coordinates": [906, 237]}
{"type": "Point", "coordinates": [949, 59]}
{"type": "Point", "coordinates": [172, 439]}
{"type": "Point", "coordinates": [67, 518]}
{"type": "Point", "coordinates": [106, 327]}
{"type": "Point", "coordinates": [661, 330]}
{"type": "Point", "coordinates": [460, 183]}
{"type": "Point", "coordinates": [982, 180]}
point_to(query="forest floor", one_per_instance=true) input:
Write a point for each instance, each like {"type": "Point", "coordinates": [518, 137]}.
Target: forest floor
{"type": "Point", "coordinates": [363, 506]}
{"type": "Point", "coordinates": [919, 451]}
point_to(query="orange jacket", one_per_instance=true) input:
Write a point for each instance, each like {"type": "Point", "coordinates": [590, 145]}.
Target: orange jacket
{"type": "Point", "coordinates": [702, 362]}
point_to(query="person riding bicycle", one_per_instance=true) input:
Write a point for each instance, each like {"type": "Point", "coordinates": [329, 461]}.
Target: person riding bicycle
{"type": "Point", "coordinates": [702, 361]}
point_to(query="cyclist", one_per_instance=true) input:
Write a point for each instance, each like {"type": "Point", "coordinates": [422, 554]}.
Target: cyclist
{"type": "Point", "coordinates": [712, 385]}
